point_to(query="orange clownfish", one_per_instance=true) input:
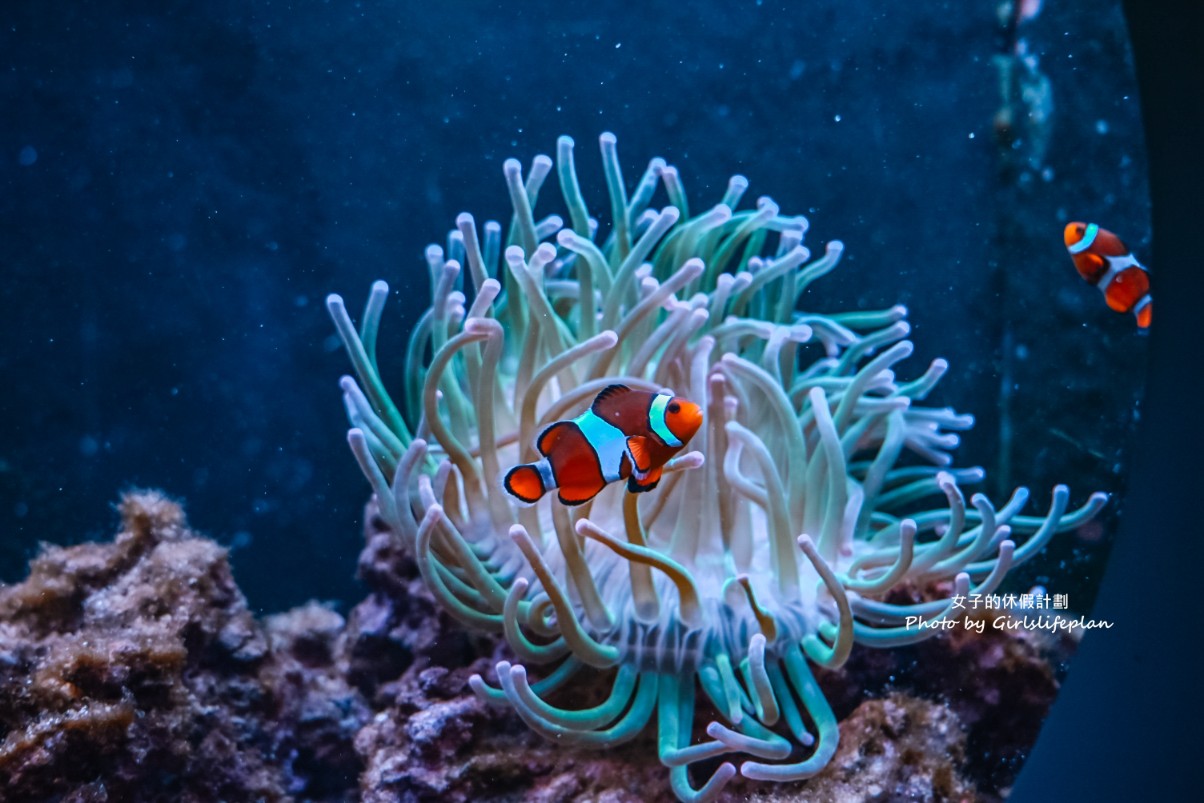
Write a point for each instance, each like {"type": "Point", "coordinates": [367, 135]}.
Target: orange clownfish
{"type": "Point", "coordinates": [1104, 261]}
{"type": "Point", "coordinates": [625, 434]}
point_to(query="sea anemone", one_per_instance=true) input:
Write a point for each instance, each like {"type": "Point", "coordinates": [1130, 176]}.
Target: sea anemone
{"type": "Point", "coordinates": [817, 484]}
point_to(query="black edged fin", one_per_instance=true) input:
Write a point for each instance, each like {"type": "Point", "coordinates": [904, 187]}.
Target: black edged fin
{"type": "Point", "coordinates": [573, 502]}
{"type": "Point", "coordinates": [548, 439]}
{"type": "Point", "coordinates": [608, 392]}
{"type": "Point", "coordinates": [524, 483]}
{"type": "Point", "coordinates": [640, 486]}
{"type": "Point", "coordinates": [636, 487]}
{"type": "Point", "coordinates": [579, 493]}
{"type": "Point", "coordinates": [637, 447]}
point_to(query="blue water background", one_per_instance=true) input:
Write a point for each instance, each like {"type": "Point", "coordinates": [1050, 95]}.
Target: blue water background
{"type": "Point", "coordinates": [183, 183]}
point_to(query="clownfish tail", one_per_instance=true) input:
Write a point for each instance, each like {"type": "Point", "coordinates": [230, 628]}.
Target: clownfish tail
{"type": "Point", "coordinates": [525, 483]}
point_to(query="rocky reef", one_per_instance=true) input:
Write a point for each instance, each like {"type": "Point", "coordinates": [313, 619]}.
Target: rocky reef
{"type": "Point", "coordinates": [134, 670]}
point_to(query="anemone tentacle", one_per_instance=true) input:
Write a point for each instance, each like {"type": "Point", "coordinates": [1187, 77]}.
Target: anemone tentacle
{"type": "Point", "coordinates": [818, 484]}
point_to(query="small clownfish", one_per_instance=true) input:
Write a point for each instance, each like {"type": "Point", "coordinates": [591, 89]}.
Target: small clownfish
{"type": "Point", "coordinates": [625, 434]}
{"type": "Point", "coordinates": [1104, 261]}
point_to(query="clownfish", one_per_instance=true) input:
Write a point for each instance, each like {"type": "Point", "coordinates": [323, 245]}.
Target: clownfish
{"type": "Point", "coordinates": [625, 434]}
{"type": "Point", "coordinates": [1104, 261]}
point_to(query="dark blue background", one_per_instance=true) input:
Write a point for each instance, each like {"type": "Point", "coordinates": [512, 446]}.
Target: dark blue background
{"type": "Point", "coordinates": [183, 183]}
{"type": "Point", "coordinates": [1126, 725]}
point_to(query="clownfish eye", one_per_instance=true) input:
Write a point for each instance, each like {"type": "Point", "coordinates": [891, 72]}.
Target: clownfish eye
{"type": "Point", "coordinates": [674, 407]}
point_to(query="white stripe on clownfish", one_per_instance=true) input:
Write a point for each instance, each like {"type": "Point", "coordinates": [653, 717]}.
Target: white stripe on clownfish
{"type": "Point", "coordinates": [546, 475]}
{"type": "Point", "coordinates": [656, 419]}
{"type": "Point", "coordinates": [1115, 266]}
{"type": "Point", "coordinates": [608, 442]}
{"type": "Point", "coordinates": [1089, 236]}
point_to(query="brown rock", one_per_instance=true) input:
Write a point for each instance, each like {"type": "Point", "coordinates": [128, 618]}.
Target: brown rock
{"type": "Point", "coordinates": [133, 670]}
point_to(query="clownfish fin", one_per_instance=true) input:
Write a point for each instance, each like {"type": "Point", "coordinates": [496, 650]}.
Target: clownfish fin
{"type": "Point", "coordinates": [548, 439]}
{"type": "Point", "coordinates": [524, 483]}
{"type": "Point", "coordinates": [1145, 313]}
{"type": "Point", "coordinates": [580, 493]}
{"type": "Point", "coordinates": [639, 486]}
{"type": "Point", "coordinates": [608, 392]}
{"type": "Point", "coordinates": [579, 478]}
{"type": "Point", "coordinates": [637, 446]}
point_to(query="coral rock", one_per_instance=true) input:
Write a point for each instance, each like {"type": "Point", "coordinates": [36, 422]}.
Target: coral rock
{"type": "Point", "coordinates": [892, 750]}
{"type": "Point", "coordinates": [133, 670]}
